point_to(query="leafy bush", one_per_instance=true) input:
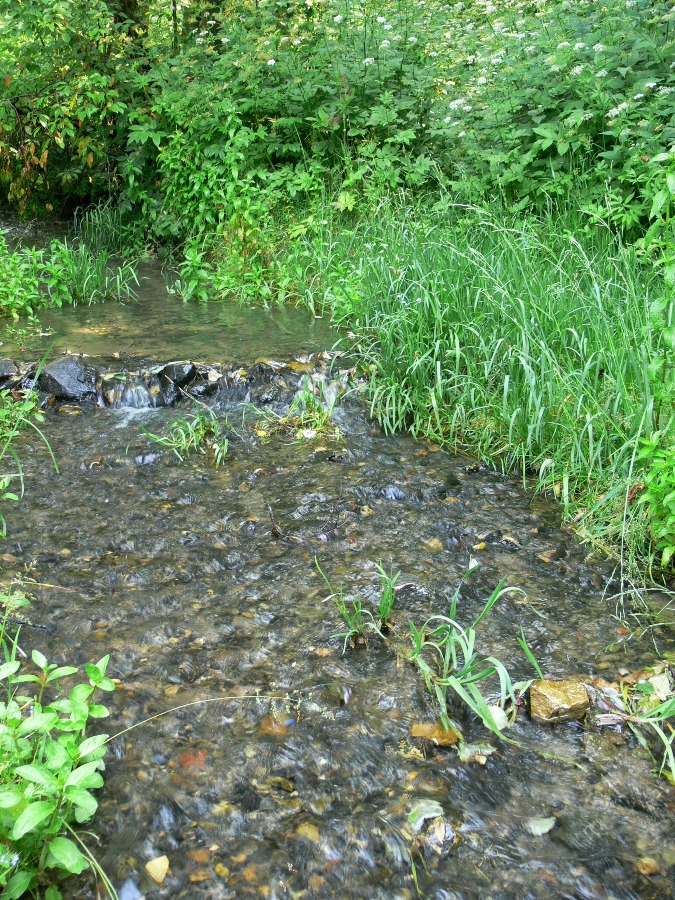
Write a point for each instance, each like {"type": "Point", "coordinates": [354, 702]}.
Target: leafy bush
{"type": "Point", "coordinates": [659, 495]}
{"type": "Point", "coordinates": [64, 273]}
{"type": "Point", "coordinates": [49, 766]}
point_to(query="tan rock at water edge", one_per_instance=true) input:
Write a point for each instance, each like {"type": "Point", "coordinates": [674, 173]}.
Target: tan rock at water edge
{"type": "Point", "coordinates": [157, 868]}
{"type": "Point", "coordinates": [558, 701]}
{"type": "Point", "coordinates": [434, 732]}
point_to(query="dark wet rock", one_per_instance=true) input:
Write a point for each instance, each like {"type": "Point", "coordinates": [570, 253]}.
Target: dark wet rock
{"type": "Point", "coordinates": [178, 373]}
{"type": "Point", "coordinates": [69, 378]}
{"type": "Point", "coordinates": [391, 492]}
{"type": "Point", "coordinates": [7, 370]}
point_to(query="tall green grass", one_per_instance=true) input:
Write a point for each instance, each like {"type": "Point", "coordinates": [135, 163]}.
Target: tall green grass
{"type": "Point", "coordinates": [525, 343]}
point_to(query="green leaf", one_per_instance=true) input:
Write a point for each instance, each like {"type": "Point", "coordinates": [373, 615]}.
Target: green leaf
{"type": "Point", "coordinates": [85, 776]}
{"type": "Point", "coordinates": [92, 743]}
{"type": "Point", "coordinates": [84, 802]}
{"type": "Point", "coordinates": [39, 721]}
{"type": "Point", "coordinates": [9, 668]}
{"type": "Point", "coordinates": [39, 659]}
{"type": "Point", "coordinates": [65, 854]}
{"type": "Point", "coordinates": [17, 885]}
{"type": "Point", "coordinates": [38, 775]}
{"type": "Point", "coordinates": [62, 672]}
{"type": "Point", "coordinates": [8, 799]}
{"type": "Point", "coordinates": [56, 756]}
{"type": "Point", "coordinates": [31, 817]}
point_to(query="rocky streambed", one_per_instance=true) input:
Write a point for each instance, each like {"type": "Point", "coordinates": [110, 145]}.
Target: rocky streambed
{"type": "Point", "coordinates": [273, 763]}
{"type": "Point", "coordinates": [201, 583]}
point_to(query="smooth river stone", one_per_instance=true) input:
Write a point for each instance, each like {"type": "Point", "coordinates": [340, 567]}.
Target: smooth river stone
{"type": "Point", "coordinates": [558, 701]}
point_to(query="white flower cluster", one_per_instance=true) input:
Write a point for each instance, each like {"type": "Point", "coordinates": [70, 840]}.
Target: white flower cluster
{"type": "Point", "coordinates": [616, 112]}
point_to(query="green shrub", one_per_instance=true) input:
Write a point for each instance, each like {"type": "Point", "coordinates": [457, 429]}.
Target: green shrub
{"type": "Point", "coordinates": [49, 765]}
{"type": "Point", "coordinates": [659, 457]}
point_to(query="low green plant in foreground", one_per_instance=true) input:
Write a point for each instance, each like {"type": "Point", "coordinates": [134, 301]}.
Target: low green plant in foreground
{"type": "Point", "coordinates": [200, 432]}
{"type": "Point", "coordinates": [49, 763]}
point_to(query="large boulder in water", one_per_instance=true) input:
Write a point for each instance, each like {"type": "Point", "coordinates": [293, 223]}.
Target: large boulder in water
{"type": "Point", "coordinates": [69, 378]}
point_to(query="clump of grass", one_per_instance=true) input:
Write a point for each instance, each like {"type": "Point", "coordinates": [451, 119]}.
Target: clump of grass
{"type": "Point", "coordinates": [200, 432]}
{"type": "Point", "coordinates": [445, 654]}
{"type": "Point", "coordinates": [387, 599]}
{"type": "Point", "coordinates": [357, 618]}
{"type": "Point", "coordinates": [309, 416]}
{"type": "Point", "coordinates": [102, 229]}
{"type": "Point", "coordinates": [526, 343]}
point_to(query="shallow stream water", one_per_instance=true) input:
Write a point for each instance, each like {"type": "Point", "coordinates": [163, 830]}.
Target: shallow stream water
{"type": "Point", "coordinates": [201, 583]}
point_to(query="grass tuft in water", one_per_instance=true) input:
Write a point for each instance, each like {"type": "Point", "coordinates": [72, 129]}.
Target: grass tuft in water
{"type": "Point", "coordinates": [200, 432]}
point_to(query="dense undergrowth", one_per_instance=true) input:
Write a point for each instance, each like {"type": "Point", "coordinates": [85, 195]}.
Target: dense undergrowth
{"type": "Point", "coordinates": [482, 194]}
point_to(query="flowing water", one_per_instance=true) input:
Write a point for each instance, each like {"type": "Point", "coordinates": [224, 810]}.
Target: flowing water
{"type": "Point", "coordinates": [201, 583]}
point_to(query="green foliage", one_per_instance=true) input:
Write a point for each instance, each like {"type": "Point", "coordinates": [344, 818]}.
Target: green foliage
{"type": "Point", "coordinates": [356, 617]}
{"type": "Point", "coordinates": [63, 81]}
{"type": "Point", "coordinates": [309, 415]}
{"type": "Point", "coordinates": [16, 415]}
{"type": "Point", "coordinates": [200, 432]}
{"type": "Point", "coordinates": [387, 600]}
{"type": "Point", "coordinates": [445, 654]}
{"type": "Point", "coordinates": [658, 456]}
{"type": "Point", "coordinates": [532, 344]}
{"type": "Point", "coordinates": [49, 765]}
{"type": "Point", "coordinates": [64, 273]}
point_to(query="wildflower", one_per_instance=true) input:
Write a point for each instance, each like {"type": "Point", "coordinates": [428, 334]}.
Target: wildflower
{"type": "Point", "coordinates": [224, 40]}
{"type": "Point", "coordinates": [601, 73]}
{"type": "Point", "coordinates": [266, 43]}
{"type": "Point", "coordinates": [482, 80]}
{"type": "Point", "coordinates": [554, 69]}
{"type": "Point", "coordinates": [271, 62]}
{"type": "Point", "coordinates": [381, 20]}
{"type": "Point", "coordinates": [650, 85]}
{"type": "Point", "coordinates": [467, 108]}
{"type": "Point", "coordinates": [563, 44]}
{"type": "Point", "coordinates": [433, 54]}
{"type": "Point", "coordinates": [580, 46]}
{"type": "Point", "coordinates": [211, 22]}
{"type": "Point", "coordinates": [412, 40]}
{"type": "Point", "coordinates": [461, 134]}
{"type": "Point", "coordinates": [638, 96]}
{"type": "Point", "coordinates": [385, 44]}
{"type": "Point", "coordinates": [577, 70]}
{"type": "Point", "coordinates": [388, 26]}
{"type": "Point", "coordinates": [338, 19]}
{"type": "Point", "coordinates": [614, 113]}
{"type": "Point", "coordinates": [599, 48]}
{"type": "Point", "coordinates": [397, 37]}
{"type": "Point", "coordinates": [368, 61]}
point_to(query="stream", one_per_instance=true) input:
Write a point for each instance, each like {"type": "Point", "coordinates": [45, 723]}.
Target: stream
{"type": "Point", "coordinates": [201, 583]}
